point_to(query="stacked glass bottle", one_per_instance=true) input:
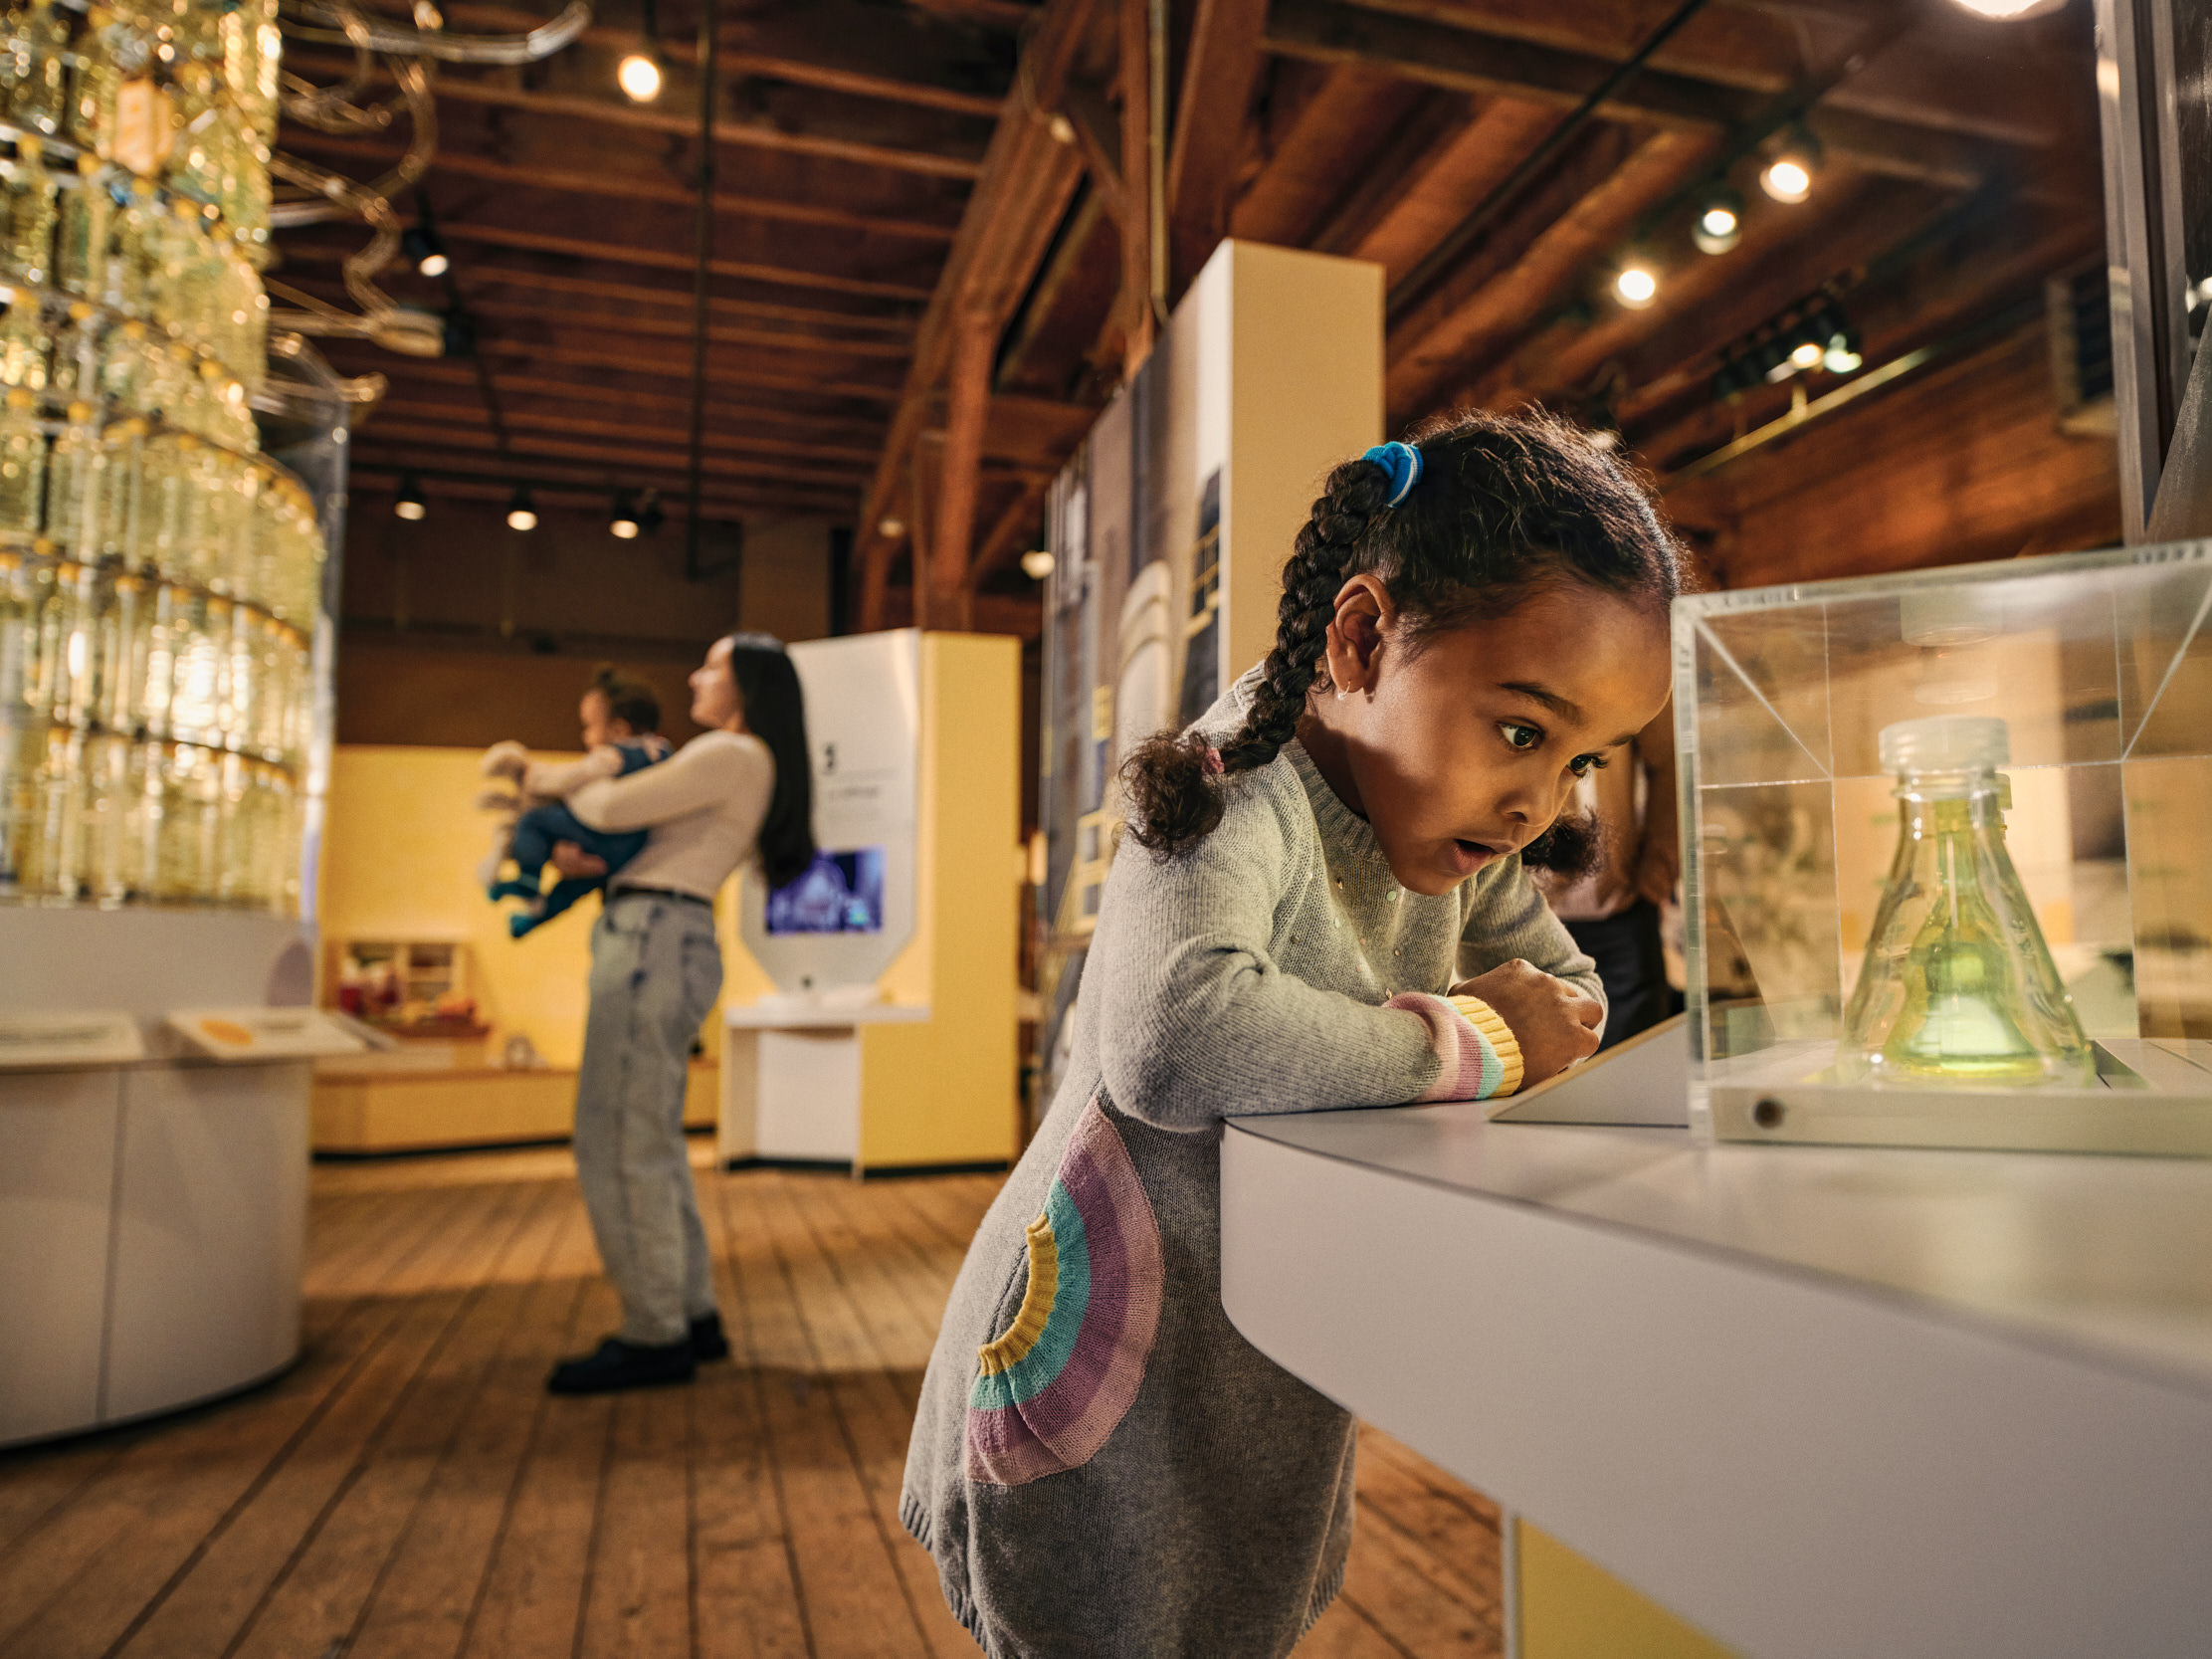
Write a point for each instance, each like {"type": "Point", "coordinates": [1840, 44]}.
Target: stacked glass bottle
{"type": "Point", "coordinates": [159, 579]}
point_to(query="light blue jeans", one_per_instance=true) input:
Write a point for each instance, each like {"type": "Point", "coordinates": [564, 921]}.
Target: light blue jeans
{"type": "Point", "coordinates": [655, 970]}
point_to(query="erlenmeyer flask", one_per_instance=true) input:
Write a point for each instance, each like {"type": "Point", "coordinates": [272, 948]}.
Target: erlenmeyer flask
{"type": "Point", "coordinates": [1958, 985]}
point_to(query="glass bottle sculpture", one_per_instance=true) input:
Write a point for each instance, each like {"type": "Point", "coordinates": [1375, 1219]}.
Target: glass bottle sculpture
{"type": "Point", "coordinates": [1958, 985]}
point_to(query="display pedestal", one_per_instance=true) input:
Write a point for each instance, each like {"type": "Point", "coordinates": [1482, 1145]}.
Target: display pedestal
{"type": "Point", "coordinates": [792, 1081]}
{"type": "Point", "coordinates": [152, 1239]}
{"type": "Point", "coordinates": [1821, 1402]}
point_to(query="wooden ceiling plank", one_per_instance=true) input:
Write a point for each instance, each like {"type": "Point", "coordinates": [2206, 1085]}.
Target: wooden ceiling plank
{"type": "Point", "coordinates": [411, 375]}
{"type": "Point", "coordinates": [403, 412]}
{"type": "Point", "coordinates": [1424, 134]}
{"type": "Point", "coordinates": [539, 241]}
{"type": "Point", "coordinates": [1076, 277]}
{"type": "Point", "coordinates": [378, 474]}
{"type": "Point", "coordinates": [655, 462]}
{"type": "Point", "coordinates": [621, 185]}
{"type": "Point", "coordinates": [1221, 66]}
{"type": "Point", "coordinates": [1455, 180]}
{"type": "Point", "coordinates": [1456, 344]}
{"type": "Point", "coordinates": [616, 110]}
{"type": "Point", "coordinates": [1317, 151]}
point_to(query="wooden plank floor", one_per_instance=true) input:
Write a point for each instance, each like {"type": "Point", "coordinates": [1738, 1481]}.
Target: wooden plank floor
{"type": "Point", "coordinates": [409, 1490]}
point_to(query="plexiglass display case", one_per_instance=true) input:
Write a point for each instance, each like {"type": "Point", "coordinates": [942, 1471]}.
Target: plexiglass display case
{"type": "Point", "coordinates": [2100, 667]}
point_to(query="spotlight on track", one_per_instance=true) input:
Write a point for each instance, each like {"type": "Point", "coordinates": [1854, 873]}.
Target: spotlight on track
{"type": "Point", "coordinates": [1636, 285]}
{"type": "Point", "coordinates": [624, 525]}
{"type": "Point", "coordinates": [1844, 355]}
{"type": "Point", "coordinates": [420, 244]}
{"type": "Point", "coordinates": [409, 503]}
{"type": "Point", "coordinates": [521, 512]}
{"type": "Point", "coordinates": [1719, 225]}
{"type": "Point", "coordinates": [640, 77]}
{"type": "Point", "coordinates": [1789, 172]}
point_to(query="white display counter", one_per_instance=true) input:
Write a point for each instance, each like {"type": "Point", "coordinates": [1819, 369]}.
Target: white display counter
{"type": "Point", "coordinates": [152, 1213]}
{"type": "Point", "coordinates": [1821, 1402]}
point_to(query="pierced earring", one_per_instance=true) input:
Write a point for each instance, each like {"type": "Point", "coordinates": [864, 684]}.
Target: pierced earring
{"type": "Point", "coordinates": [1340, 694]}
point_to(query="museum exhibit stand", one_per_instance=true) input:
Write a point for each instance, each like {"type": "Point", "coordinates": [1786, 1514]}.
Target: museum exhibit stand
{"type": "Point", "coordinates": [869, 1016]}
{"type": "Point", "coordinates": [1825, 1319]}
{"type": "Point", "coordinates": [171, 476]}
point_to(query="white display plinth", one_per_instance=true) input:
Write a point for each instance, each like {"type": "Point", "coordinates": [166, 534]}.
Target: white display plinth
{"type": "Point", "coordinates": [152, 1215]}
{"type": "Point", "coordinates": [1821, 1402]}
{"type": "Point", "coordinates": [791, 1077]}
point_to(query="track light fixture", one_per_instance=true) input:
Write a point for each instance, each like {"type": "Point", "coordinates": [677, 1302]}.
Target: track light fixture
{"type": "Point", "coordinates": [521, 510]}
{"type": "Point", "coordinates": [1844, 355]}
{"type": "Point", "coordinates": [409, 503]}
{"type": "Point", "coordinates": [1719, 224]}
{"type": "Point", "coordinates": [420, 242]}
{"type": "Point", "coordinates": [1636, 285]}
{"type": "Point", "coordinates": [1789, 171]}
{"type": "Point", "coordinates": [639, 73]}
{"type": "Point", "coordinates": [1812, 334]}
{"type": "Point", "coordinates": [650, 516]}
{"type": "Point", "coordinates": [624, 525]}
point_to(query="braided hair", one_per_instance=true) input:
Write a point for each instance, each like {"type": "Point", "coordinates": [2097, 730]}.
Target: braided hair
{"type": "Point", "coordinates": [1506, 507]}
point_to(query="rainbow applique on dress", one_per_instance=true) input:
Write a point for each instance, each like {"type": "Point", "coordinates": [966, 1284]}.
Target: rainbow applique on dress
{"type": "Point", "coordinates": [1061, 1378]}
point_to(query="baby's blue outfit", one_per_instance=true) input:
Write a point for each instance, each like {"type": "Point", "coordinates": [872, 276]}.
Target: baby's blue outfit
{"type": "Point", "coordinates": [538, 829]}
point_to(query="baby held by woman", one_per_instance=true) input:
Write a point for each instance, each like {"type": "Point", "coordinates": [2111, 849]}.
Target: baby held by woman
{"type": "Point", "coordinates": [620, 720]}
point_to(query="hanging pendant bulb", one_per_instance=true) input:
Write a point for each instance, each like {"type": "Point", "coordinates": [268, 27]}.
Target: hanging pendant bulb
{"type": "Point", "coordinates": [409, 503]}
{"type": "Point", "coordinates": [521, 510]}
{"type": "Point", "coordinates": [640, 77]}
{"type": "Point", "coordinates": [624, 525]}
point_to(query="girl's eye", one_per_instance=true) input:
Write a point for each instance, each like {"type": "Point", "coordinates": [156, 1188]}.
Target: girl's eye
{"type": "Point", "coordinates": [1518, 736]}
{"type": "Point", "coordinates": [1582, 766]}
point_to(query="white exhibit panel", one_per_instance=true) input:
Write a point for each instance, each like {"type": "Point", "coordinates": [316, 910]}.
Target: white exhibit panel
{"type": "Point", "coordinates": [56, 1176]}
{"type": "Point", "coordinates": [1822, 1403]}
{"type": "Point", "coordinates": [843, 922]}
{"type": "Point", "coordinates": [210, 1240]}
{"type": "Point", "coordinates": [808, 1105]}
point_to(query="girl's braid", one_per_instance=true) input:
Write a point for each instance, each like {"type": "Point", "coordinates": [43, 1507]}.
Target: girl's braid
{"type": "Point", "coordinates": [1321, 559]}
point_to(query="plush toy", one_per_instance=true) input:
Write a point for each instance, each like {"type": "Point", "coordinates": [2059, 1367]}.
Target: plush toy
{"type": "Point", "coordinates": [535, 815]}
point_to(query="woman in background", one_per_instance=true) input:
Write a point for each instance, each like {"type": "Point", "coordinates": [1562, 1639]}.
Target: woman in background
{"type": "Point", "coordinates": [738, 792]}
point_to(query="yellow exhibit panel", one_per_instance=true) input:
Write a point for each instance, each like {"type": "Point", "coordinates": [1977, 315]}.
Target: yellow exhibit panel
{"type": "Point", "coordinates": [1573, 1609]}
{"type": "Point", "coordinates": [399, 891]}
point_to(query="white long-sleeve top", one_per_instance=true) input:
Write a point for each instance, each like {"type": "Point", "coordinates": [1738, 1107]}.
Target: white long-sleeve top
{"type": "Point", "coordinates": [704, 804]}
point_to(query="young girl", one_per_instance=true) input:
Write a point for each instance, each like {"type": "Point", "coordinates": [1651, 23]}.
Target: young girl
{"type": "Point", "coordinates": [1323, 904]}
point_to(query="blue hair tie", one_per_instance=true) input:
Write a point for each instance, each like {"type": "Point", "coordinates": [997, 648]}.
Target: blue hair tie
{"type": "Point", "coordinates": [1403, 463]}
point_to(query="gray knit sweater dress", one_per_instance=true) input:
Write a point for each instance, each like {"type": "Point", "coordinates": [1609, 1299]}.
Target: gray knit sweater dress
{"type": "Point", "coordinates": [1101, 1464]}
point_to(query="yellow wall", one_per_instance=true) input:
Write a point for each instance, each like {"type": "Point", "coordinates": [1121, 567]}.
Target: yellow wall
{"type": "Point", "coordinates": [399, 860]}
{"type": "Point", "coordinates": [1572, 1609]}
{"type": "Point", "coordinates": [947, 1091]}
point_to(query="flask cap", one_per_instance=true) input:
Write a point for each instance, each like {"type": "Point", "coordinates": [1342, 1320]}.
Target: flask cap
{"type": "Point", "coordinates": [1947, 744]}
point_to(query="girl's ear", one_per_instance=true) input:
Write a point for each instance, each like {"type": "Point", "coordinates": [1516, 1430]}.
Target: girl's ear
{"type": "Point", "coordinates": [1365, 614]}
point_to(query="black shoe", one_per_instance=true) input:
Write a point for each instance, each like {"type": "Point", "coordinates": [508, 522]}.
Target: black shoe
{"type": "Point", "coordinates": [708, 1340]}
{"type": "Point", "coordinates": [617, 1364]}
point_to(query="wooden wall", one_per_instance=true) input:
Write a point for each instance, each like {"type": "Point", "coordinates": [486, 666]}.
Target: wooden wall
{"type": "Point", "coordinates": [1965, 464]}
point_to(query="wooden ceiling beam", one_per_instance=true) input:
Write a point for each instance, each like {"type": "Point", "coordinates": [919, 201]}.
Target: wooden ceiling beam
{"type": "Point", "coordinates": [398, 413]}
{"type": "Point", "coordinates": [741, 56]}
{"type": "Point", "coordinates": [1463, 59]}
{"type": "Point", "coordinates": [377, 474]}
{"type": "Point", "coordinates": [1062, 312]}
{"type": "Point", "coordinates": [1027, 181]}
{"type": "Point", "coordinates": [649, 365]}
{"type": "Point", "coordinates": [615, 465]}
{"type": "Point", "coordinates": [617, 110]}
{"type": "Point", "coordinates": [482, 274]}
{"type": "Point", "coordinates": [1450, 181]}
{"type": "Point", "coordinates": [1316, 153]}
{"type": "Point", "coordinates": [1220, 68]}
{"type": "Point", "coordinates": [1428, 127]}
{"type": "Point", "coordinates": [607, 252]}
{"type": "Point", "coordinates": [411, 377]}
{"type": "Point", "coordinates": [619, 184]}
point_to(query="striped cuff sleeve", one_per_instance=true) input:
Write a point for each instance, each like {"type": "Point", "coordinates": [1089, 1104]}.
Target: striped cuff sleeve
{"type": "Point", "coordinates": [1479, 1056]}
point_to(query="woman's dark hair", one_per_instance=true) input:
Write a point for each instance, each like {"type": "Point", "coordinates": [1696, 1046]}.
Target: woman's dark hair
{"type": "Point", "coordinates": [775, 713]}
{"type": "Point", "coordinates": [1506, 507]}
{"type": "Point", "coordinates": [632, 702]}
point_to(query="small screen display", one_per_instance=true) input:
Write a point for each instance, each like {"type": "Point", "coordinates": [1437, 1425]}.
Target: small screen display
{"type": "Point", "coordinates": [839, 893]}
